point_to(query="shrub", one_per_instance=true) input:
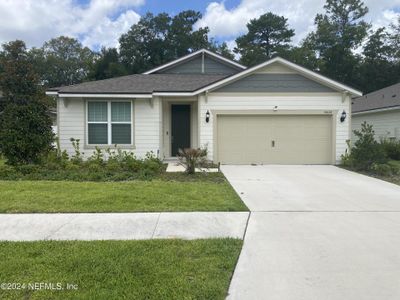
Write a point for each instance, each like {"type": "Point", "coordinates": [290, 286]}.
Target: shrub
{"type": "Point", "coordinates": [77, 157]}
{"type": "Point", "coordinates": [192, 158]}
{"type": "Point", "coordinates": [366, 150]}
{"type": "Point", "coordinates": [395, 165]}
{"type": "Point", "coordinates": [391, 148]}
{"type": "Point", "coordinates": [25, 127]}
{"type": "Point", "coordinates": [382, 169]}
{"type": "Point", "coordinates": [97, 157]}
{"type": "Point", "coordinates": [25, 133]}
{"type": "Point", "coordinates": [121, 165]}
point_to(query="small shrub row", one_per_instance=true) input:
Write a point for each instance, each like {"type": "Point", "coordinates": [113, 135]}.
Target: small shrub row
{"type": "Point", "coordinates": [109, 165]}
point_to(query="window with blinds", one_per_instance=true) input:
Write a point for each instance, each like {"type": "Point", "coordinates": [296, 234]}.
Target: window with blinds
{"type": "Point", "coordinates": [109, 122]}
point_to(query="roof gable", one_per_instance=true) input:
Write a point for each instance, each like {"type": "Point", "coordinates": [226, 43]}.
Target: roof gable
{"type": "Point", "coordinates": [276, 65]}
{"type": "Point", "coordinates": [275, 83]}
{"type": "Point", "coordinates": [199, 62]}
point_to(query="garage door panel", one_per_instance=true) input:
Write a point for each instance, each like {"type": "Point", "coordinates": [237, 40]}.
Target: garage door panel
{"type": "Point", "coordinates": [282, 139]}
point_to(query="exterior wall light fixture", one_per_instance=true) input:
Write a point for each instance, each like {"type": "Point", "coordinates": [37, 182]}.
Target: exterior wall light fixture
{"type": "Point", "coordinates": [207, 116]}
{"type": "Point", "coordinates": [343, 116]}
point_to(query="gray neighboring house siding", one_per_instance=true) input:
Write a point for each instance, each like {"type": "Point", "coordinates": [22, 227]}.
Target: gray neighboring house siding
{"type": "Point", "coordinates": [381, 109]}
{"type": "Point", "coordinates": [194, 66]}
{"type": "Point", "coordinates": [274, 83]}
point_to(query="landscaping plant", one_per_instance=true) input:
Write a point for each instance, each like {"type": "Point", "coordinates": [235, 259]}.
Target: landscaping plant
{"type": "Point", "coordinates": [192, 158]}
{"type": "Point", "coordinates": [366, 151]}
{"type": "Point", "coordinates": [391, 148]}
{"type": "Point", "coordinates": [25, 127]}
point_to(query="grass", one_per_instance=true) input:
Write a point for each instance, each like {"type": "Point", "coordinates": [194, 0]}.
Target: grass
{"type": "Point", "coordinates": [155, 269]}
{"type": "Point", "coordinates": [212, 193]}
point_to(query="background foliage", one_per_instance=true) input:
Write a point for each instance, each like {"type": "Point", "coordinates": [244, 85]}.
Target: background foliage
{"type": "Point", "coordinates": [343, 46]}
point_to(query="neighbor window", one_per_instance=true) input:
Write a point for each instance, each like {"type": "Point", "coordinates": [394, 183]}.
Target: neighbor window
{"type": "Point", "coordinates": [109, 122]}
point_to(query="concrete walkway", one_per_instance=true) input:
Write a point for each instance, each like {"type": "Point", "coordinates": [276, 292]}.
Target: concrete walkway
{"type": "Point", "coordinates": [122, 226]}
{"type": "Point", "coordinates": [316, 232]}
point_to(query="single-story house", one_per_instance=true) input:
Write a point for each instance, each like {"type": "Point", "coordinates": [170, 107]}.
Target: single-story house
{"type": "Point", "coordinates": [381, 109]}
{"type": "Point", "coordinates": [276, 112]}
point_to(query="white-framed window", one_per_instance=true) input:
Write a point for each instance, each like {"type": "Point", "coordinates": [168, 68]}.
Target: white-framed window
{"type": "Point", "coordinates": [109, 122]}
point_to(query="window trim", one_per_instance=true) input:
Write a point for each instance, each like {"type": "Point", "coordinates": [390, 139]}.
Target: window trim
{"type": "Point", "coordinates": [109, 123]}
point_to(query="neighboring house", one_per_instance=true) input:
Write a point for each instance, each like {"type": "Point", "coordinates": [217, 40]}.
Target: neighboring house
{"type": "Point", "coordinates": [381, 109]}
{"type": "Point", "coordinates": [274, 113]}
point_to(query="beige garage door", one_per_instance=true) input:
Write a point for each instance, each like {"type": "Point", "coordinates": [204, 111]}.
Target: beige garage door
{"type": "Point", "coordinates": [279, 139]}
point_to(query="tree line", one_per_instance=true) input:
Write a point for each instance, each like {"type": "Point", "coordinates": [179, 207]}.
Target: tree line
{"type": "Point", "coordinates": [343, 46]}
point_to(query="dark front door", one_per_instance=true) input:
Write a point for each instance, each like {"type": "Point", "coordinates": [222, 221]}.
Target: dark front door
{"type": "Point", "coordinates": [180, 127]}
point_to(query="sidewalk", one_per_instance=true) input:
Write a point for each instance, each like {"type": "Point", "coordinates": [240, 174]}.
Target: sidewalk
{"type": "Point", "coordinates": [122, 226]}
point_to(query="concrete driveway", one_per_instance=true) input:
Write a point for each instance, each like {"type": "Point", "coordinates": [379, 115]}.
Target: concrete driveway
{"type": "Point", "coordinates": [316, 232]}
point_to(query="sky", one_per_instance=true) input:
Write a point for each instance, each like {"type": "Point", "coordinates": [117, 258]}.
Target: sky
{"type": "Point", "coordinates": [99, 23]}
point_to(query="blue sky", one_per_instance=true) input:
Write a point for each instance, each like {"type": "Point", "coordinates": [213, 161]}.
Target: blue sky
{"type": "Point", "coordinates": [174, 7]}
{"type": "Point", "coordinates": [99, 23]}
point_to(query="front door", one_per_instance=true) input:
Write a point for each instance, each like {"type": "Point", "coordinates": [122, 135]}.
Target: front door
{"type": "Point", "coordinates": [180, 127]}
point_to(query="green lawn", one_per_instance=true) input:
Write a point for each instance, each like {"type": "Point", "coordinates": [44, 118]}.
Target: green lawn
{"type": "Point", "coordinates": [156, 269]}
{"type": "Point", "coordinates": [129, 196]}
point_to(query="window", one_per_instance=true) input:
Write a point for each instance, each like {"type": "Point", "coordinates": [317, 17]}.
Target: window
{"type": "Point", "coordinates": [109, 122]}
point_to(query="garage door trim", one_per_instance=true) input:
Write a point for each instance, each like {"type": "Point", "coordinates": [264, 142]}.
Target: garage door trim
{"type": "Point", "coordinates": [216, 113]}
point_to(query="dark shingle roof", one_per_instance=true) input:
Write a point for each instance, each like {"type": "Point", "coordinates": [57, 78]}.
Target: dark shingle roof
{"type": "Point", "coordinates": [143, 84]}
{"type": "Point", "coordinates": [383, 98]}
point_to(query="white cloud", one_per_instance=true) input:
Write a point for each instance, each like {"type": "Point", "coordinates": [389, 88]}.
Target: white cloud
{"type": "Point", "coordinates": [96, 23]}
{"type": "Point", "coordinates": [228, 23]}
{"type": "Point", "coordinates": [107, 32]}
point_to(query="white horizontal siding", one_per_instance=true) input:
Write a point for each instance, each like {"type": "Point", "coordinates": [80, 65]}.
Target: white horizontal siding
{"type": "Point", "coordinates": [146, 126]}
{"type": "Point", "coordinates": [385, 124]}
{"type": "Point", "coordinates": [234, 102]}
{"type": "Point", "coordinates": [71, 123]}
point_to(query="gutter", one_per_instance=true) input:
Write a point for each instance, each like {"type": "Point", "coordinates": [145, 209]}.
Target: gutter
{"type": "Point", "coordinates": [376, 110]}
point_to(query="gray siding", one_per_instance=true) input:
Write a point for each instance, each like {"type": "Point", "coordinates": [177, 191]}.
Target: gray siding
{"type": "Point", "coordinates": [193, 66]}
{"type": "Point", "coordinates": [212, 66]}
{"type": "Point", "coordinates": [386, 124]}
{"type": "Point", "coordinates": [275, 83]}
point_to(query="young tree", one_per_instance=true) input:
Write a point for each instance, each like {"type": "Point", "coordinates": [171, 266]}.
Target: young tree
{"type": "Point", "coordinates": [62, 61]}
{"type": "Point", "coordinates": [107, 65]}
{"type": "Point", "coordinates": [339, 32]}
{"type": "Point", "coordinates": [267, 35]}
{"type": "Point", "coordinates": [25, 127]}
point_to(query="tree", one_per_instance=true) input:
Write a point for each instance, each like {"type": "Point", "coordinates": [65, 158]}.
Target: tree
{"type": "Point", "coordinates": [183, 37]}
{"type": "Point", "coordinates": [155, 40]}
{"type": "Point", "coordinates": [377, 69]}
{"type": "Point", "coordinates": [267, 35]}
{"type": "Point", "coordinates": [222, 49]}
{"type": "Point", "coordinates": [25, 127]}
{"type": "Point", "coordinates": [303, 55]}
{"type": "Point", "coordinates": [395, 38]}
{"type": "Point", "coordinates": [340, 31]}
{"type": "Point", "coordinates": [107, 65]}
{"type": "Point", "coordinates": [62, 61]}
